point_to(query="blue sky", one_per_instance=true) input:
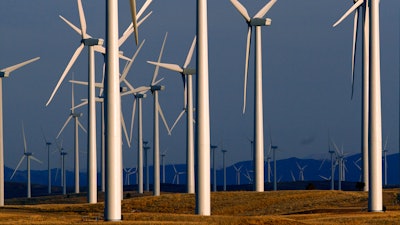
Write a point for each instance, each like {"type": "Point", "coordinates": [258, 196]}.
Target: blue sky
{"type": "Point", "coordinates": [306, 75]}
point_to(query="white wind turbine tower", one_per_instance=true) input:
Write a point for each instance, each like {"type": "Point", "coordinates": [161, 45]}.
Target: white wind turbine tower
{"type": "Point", "coordinates": [257, 21]}
{"type": "Point", "coordinates": [155, 88]}
{"type": "Point", "coordinates": [4, 73]}
{"type": "Point", "coordinates": [29, 156]}
{"type": "Point", "coordinates": [112, 100]}
{"type": "Point", "coordinates": [371, 31]}
{"type": "Point", "coordinates": [301, 171]}
{"type": "Point", "coordinates": [48, 144]}
{"type": "Point", "coordinates": [203, 197]}
{"type": "Point", "coordinates": [237, 174]}
{"type": "Point", "coordinates": [361, 5]}
{"type": "Point", "coordinates": [92, 44]}
{"type": "Point", "coordinates": [77, 124]}
{"type": "Point", "coordinates": [186, 74]}
{"type": "Point", "coordinates": [146, 164]}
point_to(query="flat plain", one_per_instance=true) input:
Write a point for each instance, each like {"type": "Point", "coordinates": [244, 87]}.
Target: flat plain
{"type": "Point", "coordinates": [236, 207]}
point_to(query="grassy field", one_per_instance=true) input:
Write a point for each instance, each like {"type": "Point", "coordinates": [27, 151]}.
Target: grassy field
{"type": "Point", "coordinates": [281, 207]}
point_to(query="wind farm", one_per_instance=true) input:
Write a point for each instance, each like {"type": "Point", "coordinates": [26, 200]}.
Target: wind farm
{"type": "Point", "coordinates": [300, 87]}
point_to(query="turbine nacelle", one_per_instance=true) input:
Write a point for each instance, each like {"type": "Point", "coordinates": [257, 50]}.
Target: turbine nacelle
{"type": "Point", "coordinates": [28, 153]}
{"type": "Point", "coordinates": [157, 88]}
{"type": "Point", "coordinates": [189, 71]}
{"type": "Point", "coordinates": [140, 95]}
{"type": "Point", "coordinates": [77, 114]}
{"type": "Point", "coordinates": [92, 41]}
{"type": "Point", "coordinates": [123, 89]}
{"type": "Point", "coordinates": [260, 22]}
{"type": "Point", "coordinates": [4, 74]}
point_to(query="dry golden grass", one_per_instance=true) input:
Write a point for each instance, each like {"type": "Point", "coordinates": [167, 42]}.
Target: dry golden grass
{"type": "Point", "coordinates": [282, 207]}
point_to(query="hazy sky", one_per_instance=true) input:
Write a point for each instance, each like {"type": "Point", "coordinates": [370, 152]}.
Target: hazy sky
{"type": "Point", "coordinates": [306, 75]}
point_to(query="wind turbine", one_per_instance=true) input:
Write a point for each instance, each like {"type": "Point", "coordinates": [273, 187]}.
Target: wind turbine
{"type": "Point", "coordinates": [213, 147]}
{"type": "Point", "coordinates": [186, 74]}
{"type": "Point", "coordinates": [224, 166]}
{"type": "Point", "coordinates": [385, 151]}
{"type": "Point", "coordinates": [29, 156]}
{"type": "Point", "coordinates": [77, 124]}
{"type": "Point", "coordinates": [163, 165]}
{"type": "Point", "coordinates": [340, 157]}
{"type": "Point", "coordinates": [128, 173]}
{"type": "Point", "coordinates": [92, 44]}
{"type": "Point", "coordinates": [301, 171]}
{"type": "Point", "coordinates": [361, 5]}
{"type": "Point", "coordinates": [177, 174]}
{"type": "Point", "coordinates": [257, 21]}
{"type": "Point", "coordinates": [48, 144]}
{"type": "Point", "coordinates": [333, 163]}
{"type": "Point", "coordinates": [237, 174]}
{"type": "Point", "coordinates": [155, 88]}
{"type": "Point", "coordinates": [63, 153]}
{"type": "Point", "coordinates": [273, 148]}
{"type": "Point", "coordinates": [101, 100]}
{"type": "Point", "coordinates": [4, 73]}
{"type": "Point", "coordinates": [146, 164]}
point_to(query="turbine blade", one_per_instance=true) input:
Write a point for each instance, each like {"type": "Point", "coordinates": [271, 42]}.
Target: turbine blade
{"type": "Point", "coordinates": [71, 25]}
{"type": "Point", "coordinates": [37, 160]}
{"type": "Point", "coordinates": [336, 147]}
{"type": "Point", "coordinates": [143, 8]}
{"type": "Point", "coordinates": [129, 30]}
{"type": "Point", "coordinates": [353, 59]}
{"type": "Point", "coordinates": [190, 53]}
{"type": "Point", "coordinates": [83, 103]}
{"type": "Point", "coordinates": [19, 65]}
{"type": "Point", "coordinates": [82, 19]}
{"type": "Point", "coordinates": [65, 124]}
{"type": "Point", "coordinates": [134, 19]}
{"type": "Point", "coordinates": [72, 95]}
{"type": "Point", "coordinates": [132, 118]}
{"type": "Point", "coordinates": [129, 65]}
{"type": "Point", "coordinates": [71, 62]}
{"type": "Point", "coordinates": [265, 9]}
{"type": "Point", "coordinates": [124, 130]}
{"type": "Point", "coordinates": [23, 136]}
{"type": "Point", "coordinates": [352, 8]}
{"type": "Point", "coordinates": [163, 118]}
{"type": "Point", "coordinates": [44, 136]}
{"type": "Point", "coordinates": [159, 60]}
{"type": "Point", "coordinates": [18, 165]}
{"type": "Point", "coordinates": [81, 126]}
{"type": "Point", "coordinates": [246, 68]}
{"type": "Point", "coordinates": [242, 10]}
{"type": "Point", "coordinates": [173, 67]}
{"type": "Point", "coordinates": [177, 119]}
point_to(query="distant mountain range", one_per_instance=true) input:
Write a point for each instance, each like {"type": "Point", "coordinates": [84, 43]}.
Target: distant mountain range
{"type": "Point", "coordinates": [314, 171]}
